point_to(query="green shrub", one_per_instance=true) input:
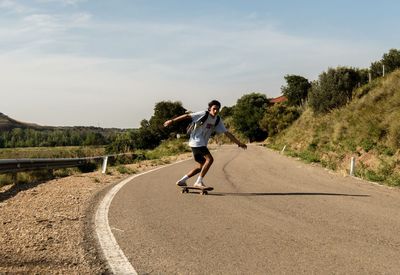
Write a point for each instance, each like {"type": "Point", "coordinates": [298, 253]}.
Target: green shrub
{"type": "Point", "coordinates": [6, 179]}
{"type": "Point", "coordinates": [394, 134]}
{"type": "Point", "coordinates": [122, 169]}
{"type": "Point", "coordinates": [367, 144]}
{"type": "Point", "coordinates": [167, 148]}
{"type": "Point", "coordinates": [394, 179]}
{"type": "Point", "coordinates": [334, 88]}
{"type": "Point", "coordinates": [278, 117]}
{"type": "Point", "coordinates": [373, 176]}
{"type": "Point", "coordinates": [329, 164]}
{"type": "Point", "coordinates": [309, 156]}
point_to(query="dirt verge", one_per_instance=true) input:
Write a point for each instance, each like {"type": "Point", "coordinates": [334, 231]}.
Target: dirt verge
{"type": "Point", "coordinates": [47, 227]}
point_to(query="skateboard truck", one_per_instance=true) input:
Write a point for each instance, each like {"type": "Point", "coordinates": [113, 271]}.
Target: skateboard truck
{"type": "Point", "coordinates": [203, 190]}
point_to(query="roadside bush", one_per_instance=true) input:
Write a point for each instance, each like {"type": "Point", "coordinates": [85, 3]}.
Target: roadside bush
{"type": "Point", "coordinates": [167, 148]}
{"type": "Point", "coordinates": [394, 134]}
{"type": "Point", "coordinates": [309, 156]}
{"type": "Point", "coordinates": [333, 89]}
{"type": "Point", "coordinates": [278, 117]}
{"type": "Point", "coordinates": [122, 169]}
{"type": "Point", "coordinates": [248, 112]}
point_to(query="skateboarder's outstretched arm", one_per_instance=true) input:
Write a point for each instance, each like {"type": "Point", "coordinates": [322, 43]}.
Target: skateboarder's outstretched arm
{"type": "Point", "coordinates": [235, 140]}
{"type": "Point", "coordinates": [177, 119]}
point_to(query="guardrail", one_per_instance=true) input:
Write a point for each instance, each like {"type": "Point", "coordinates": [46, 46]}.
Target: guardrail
{"type": "Point", "coordinates": [22, 165]}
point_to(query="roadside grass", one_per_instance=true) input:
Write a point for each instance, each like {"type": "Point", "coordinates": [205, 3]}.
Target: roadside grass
{"type": "Point", "coordinates": [167, 148]}
{"type": "Point", "coordinates": [157, 155]}
{"type": "Point", "coordinates": [36, 176]}
{"type": "Point", "coordinates": [368, 128]}
{"type": "Point", "coordinates": [122, 169]}
{"type": "Point", "coordinates": [52, 152]}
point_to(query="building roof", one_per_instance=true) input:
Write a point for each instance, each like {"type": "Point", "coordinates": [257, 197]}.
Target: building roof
{"type": "Point", "coordinates": [278, 99]}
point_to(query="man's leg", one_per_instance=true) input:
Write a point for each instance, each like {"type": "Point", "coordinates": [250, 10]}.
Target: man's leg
{"type": "Point", "coordinates": [199, 158]}
{"type": "Point", "coordinates": [195, 171]}
{"type": "Point", "coordinates": [207, 164]}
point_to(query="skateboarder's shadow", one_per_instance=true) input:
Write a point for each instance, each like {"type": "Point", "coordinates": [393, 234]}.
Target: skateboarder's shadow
{"type": "Point", "coordinates": [284, 194]}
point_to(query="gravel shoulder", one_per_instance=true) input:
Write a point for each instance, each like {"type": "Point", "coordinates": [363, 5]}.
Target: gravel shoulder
{"type": "Point", "coordinates": [48, 227]}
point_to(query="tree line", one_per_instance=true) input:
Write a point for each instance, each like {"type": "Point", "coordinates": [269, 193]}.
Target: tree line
{"type": "Point", "coordinates": [253, 116]}
{"type": "Point", "coordinates": [25, 137]}
{"type": "Point", "coordinates": [335, 87]}
{"type": "Point", "coordinates": [256, 118]}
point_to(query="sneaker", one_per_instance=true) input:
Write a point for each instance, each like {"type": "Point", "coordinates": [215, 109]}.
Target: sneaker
{"type": "Point", "coordinates": [199, 184]}
{"type": "Point", "coordinates": [181, 183]}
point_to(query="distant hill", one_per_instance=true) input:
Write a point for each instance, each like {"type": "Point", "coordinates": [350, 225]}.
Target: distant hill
{"type": "Point", "coordinates": [367, 128]}
{"type": "Point", "coordinates": [34, 135]}
{"type": "Point", "coordinates": [7, 123]}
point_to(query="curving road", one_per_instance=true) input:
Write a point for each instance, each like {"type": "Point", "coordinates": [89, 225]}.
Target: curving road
{"type": "Point", "coordinates": [268, 214]}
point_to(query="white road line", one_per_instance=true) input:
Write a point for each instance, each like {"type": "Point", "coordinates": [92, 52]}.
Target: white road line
{"type": "Point", "coordinates": [117, 229]}
{"type": "Point", "coordinates": [113, 254]}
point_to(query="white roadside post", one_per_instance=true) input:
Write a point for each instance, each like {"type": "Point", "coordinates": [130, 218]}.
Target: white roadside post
{"type": "Point", "coordinates": [104, 166]}
{"type": "Point", "coordinates": [283, 150]}
{"type": "Point", "coordinates": [352, 166]}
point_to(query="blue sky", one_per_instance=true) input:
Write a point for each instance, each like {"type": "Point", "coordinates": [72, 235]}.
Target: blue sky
{"type": "Point", "coordinates": [106, 63]}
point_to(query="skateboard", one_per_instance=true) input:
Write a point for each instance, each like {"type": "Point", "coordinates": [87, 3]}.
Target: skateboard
{"type": "Point", "coordinates": [203, 190]}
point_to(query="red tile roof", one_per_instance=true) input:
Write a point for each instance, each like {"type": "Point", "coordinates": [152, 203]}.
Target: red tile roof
{"type": "Point", "coordinates": [278, 99]}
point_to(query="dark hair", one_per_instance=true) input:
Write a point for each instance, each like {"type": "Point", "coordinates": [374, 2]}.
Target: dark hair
{"type": "Point", "coordinates": [214, 102]}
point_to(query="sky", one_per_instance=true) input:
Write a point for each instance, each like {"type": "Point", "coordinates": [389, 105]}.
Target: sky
{"type": "Point", "coordinates": [107, 63]}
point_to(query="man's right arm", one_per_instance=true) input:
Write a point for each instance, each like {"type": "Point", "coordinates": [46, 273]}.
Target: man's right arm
{"type": "Point", "coordinates": [177, 119]}
{"type": "Point", "coordinates": [235, 140]}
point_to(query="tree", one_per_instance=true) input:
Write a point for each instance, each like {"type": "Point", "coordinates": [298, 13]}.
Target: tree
{"type": "Point", "coordinates": [376, 69]}
{"type": "Point", "coordinates": [145, 138]}
{"type": "Point", "coordinates": [226, 112]}
{"type": "Point", "coordinates": [278, 117]}
{"type": "Point", "coordinates": [2, 142]}
{"type": "Point", "coordinates": [333, 89]}
{"type": "Point", "coordinates": [296, 89]}
{"type": "Point", "coordinates": [247, 113]}
{"type": "Point", "coordinates": [122, 143]}
{"type": "Point", "coordinates": [163, 111]}
{"type": "Point", "coordinates": [17, 137]}
{"type": "Point", "coordinates": [391, 60]}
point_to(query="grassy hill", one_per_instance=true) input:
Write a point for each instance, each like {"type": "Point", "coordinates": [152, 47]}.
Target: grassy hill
{"type": "Point", "coordinates": [368, 128]}
{"type": "Point", "coordinates": [7, 123]}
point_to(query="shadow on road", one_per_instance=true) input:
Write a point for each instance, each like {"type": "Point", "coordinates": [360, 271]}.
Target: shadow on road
{"type": "Point", "coordinates": [285, 194]}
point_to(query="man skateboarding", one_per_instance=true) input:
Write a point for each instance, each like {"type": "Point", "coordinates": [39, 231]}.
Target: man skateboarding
{"type": "Point", "coordinates": [204, 123]}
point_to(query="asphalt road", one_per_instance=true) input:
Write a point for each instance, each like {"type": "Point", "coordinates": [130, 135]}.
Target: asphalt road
{"type": "Point", "coordinates": [268, 214]}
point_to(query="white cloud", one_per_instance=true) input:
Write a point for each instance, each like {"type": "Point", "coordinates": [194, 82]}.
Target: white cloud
{"type": "Point", "coordinates": [112, 74]}
{"type": "Point", "coordinates": [14, 7]}
{"type": "Point", "coordinates": [63, 2]}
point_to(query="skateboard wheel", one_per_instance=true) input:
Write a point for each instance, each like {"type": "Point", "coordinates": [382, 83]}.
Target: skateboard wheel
{"type": "Point", "coordinates": [204, 193]}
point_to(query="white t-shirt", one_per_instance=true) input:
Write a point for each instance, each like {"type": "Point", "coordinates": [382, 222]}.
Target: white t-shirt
{"type": "Point", "coordinates": [201, 134]}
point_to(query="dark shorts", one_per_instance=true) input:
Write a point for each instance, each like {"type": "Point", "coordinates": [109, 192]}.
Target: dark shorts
{"type": "Point", "coordinates": [199, 153]}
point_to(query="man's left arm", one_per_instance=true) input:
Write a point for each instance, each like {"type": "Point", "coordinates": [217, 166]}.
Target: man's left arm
{"type": "Point", "coordinates": [235, 140]}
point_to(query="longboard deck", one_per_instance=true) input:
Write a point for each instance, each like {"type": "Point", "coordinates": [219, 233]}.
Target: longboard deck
{"type": "Point", "coordinates": [203, 190]}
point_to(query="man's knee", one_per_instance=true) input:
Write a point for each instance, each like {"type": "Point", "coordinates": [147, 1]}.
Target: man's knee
{"type": "Point", "coordinates": [209, 159]}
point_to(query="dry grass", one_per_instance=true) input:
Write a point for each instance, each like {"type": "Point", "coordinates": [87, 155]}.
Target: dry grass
{"type": "Point", "coordinates": [51, 152]}
{"type": "Point", "coordinates": [367, 128]}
